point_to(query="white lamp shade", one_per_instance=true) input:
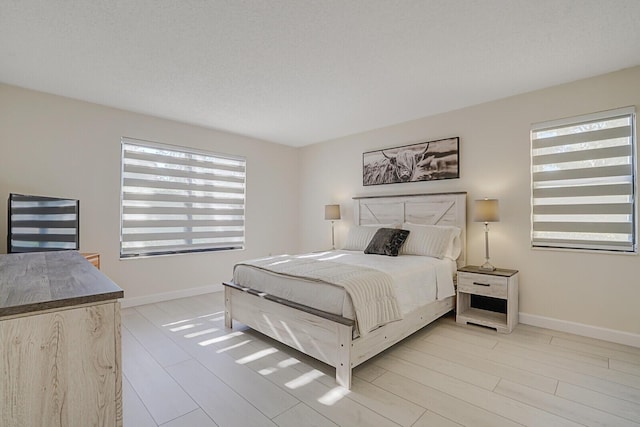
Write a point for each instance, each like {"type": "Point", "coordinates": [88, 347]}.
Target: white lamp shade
{"type": "Point", "coordinates": [486, 210]}
{"type": "Point", "coordinates": [332, 212]}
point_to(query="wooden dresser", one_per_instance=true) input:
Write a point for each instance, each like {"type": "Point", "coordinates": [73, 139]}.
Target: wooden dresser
{"type": "Point", "coordinates": [60, 363]}
{"type": "Point", "coordinates": [93, 258]}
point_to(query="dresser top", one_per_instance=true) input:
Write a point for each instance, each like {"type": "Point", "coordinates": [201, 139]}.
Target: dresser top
{"type": "Point", "coordinates": [32, 282]}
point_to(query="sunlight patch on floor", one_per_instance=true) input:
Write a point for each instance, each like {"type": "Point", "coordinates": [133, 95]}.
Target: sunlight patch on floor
{"type": "Point", "coordinates": [166, 325]}
{"type": "Point", "coordinates": [280, 365]}
{"type": "Point", "coordinates": [183, 327]}
{"type": "Point", "coordinates": [288, 362]}
{"type": "Point", "coordinates": [220, 339]}
{"type": "Point", "coordinates": [333, 395]}
{"type": "Point", "coordinates": [304, 379]}
{"type": "Point", "coordinates": [267, 371]}
{"type": "Point", "coordinates": [255, 356]}
{"type": "Point", "coordinates": [231, 347]}
{"type": "Point", "coordinates": [199, 333]}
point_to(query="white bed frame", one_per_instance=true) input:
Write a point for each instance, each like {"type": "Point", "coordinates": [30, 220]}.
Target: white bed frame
{"type": "Point", "coordinates": [328, 337]}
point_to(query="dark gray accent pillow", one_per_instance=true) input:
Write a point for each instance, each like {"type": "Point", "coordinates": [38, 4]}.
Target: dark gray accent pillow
{"type": "Point", "coordinates": [387, 241]}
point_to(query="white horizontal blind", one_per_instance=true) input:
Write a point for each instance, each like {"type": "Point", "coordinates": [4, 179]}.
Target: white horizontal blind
{"type": "Point", "coordinates": [583, 179]}
{"type": "Point", "coordinates": [38, 224]}
{"type": "Point", "coordinates": [177, 200]}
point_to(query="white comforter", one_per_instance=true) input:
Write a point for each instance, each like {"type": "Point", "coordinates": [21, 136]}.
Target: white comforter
{"type": "Point", "coordinates": [417, 280]}
{"type": "Point", "coordinates": [372, 292]}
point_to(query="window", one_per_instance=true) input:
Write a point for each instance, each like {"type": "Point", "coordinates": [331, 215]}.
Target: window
{"type": "Point", "coordinates": [177, 200]}
{"type": "Point", "coordinates": [583, 182]}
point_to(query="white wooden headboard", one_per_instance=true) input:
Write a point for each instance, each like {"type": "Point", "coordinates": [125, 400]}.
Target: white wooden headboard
{"type": "Point", "coordinates": [430, 209]}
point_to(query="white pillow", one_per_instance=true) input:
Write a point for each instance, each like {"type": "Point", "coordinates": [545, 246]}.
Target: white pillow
{"type": "Point", "coordinates": [455, 248]}
{"type": "Point", "coordinates": [430, 240]}
{"type": "Point", "coordinates": [360, 235]}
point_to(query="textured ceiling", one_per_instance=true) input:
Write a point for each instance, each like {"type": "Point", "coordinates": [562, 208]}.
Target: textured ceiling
{"type": "Point", "coordinates": [298, 72]}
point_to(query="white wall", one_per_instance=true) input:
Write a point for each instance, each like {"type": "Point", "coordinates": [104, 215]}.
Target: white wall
{"type": "Point", "coordinates": [598, 290]}
{"type": "Point", "coordinates": [55, 146]}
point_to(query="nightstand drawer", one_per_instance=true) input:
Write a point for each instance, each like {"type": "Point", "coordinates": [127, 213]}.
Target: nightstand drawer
{"type": "Point", "coordinates": [482, 284]}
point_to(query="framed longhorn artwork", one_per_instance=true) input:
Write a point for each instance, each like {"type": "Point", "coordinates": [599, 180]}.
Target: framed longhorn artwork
{"type": "Point", "coordinates": [426, 161]}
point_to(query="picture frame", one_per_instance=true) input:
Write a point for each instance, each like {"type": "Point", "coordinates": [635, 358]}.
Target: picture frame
{"type": "Point", "coordinates": [424, 161]}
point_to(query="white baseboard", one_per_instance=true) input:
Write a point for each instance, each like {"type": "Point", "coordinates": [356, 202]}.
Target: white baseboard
{"type": "Point", "coordinates": [166, 296]}
{"type": "Point", "coordinates": [612, 335]}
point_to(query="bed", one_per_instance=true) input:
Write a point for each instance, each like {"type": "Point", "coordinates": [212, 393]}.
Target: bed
{"type": "Point", "coordinates": [327, 328]}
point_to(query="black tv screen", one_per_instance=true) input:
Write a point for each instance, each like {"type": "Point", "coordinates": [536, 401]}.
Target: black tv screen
{"type": "Point", "coordinates": [38, 224]}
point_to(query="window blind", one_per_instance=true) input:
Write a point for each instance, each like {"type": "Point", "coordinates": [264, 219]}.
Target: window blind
{"type": "Point", "coordinates": [177, 200]}
{"type": "Point", "coordinates": [583, 182]}
{"type": "Point", "coordinates": [38, 224]}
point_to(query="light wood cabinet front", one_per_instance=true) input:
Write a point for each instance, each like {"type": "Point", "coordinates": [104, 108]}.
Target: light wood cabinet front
{"type": "Point", "coordinates": [60, 351]}
{"type": "Point", "coordinates": [482, 284]}
{"type": "Point", "coordinates": [62, 368]}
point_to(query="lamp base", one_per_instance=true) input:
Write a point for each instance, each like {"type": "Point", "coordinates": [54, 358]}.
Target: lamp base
{"type": "Point", "coordinates": [333, 238]}
{"type": "Point", "coordinates": [487, 266]}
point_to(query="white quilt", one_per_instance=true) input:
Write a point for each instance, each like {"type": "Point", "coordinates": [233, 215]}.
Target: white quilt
{"type": "Point", "coordinates": [372, 291]}
{"type": "Point", "coordinates": [418, 280]}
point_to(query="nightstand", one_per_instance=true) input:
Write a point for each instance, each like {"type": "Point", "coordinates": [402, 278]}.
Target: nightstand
{"type": "Point", "coordinates": [500, 284]}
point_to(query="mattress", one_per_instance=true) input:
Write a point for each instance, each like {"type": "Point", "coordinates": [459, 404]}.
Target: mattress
{"type": "Point", "coordinates": [417, 280]}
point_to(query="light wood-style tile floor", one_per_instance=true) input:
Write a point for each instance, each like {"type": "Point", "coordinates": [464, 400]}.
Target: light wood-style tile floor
{"type": "Point", "coordinates": [183, 368]}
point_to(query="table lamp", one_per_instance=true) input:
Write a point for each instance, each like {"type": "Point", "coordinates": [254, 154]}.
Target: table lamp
{"type": "Point", "coordinates": [332, 213]}
{"type": "Point", "coordinates": [486, 210]}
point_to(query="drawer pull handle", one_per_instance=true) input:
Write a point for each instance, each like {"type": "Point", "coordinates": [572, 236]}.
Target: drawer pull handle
{"type": "Point", "coordinates": [482, 284]}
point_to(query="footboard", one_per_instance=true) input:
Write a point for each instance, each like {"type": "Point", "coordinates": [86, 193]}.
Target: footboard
{"type": "Point", "coordinates": [321, 335]}
{"type": "Point", "coordinates": [364, 348]}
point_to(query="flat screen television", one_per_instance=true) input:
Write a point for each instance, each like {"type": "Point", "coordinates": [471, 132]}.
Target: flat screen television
{"type": "Point", "coordinates": [38, 224]}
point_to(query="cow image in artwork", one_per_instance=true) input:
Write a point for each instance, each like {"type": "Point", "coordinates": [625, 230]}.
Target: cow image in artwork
{"type": "Point", "coordinates": [426, 161]}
